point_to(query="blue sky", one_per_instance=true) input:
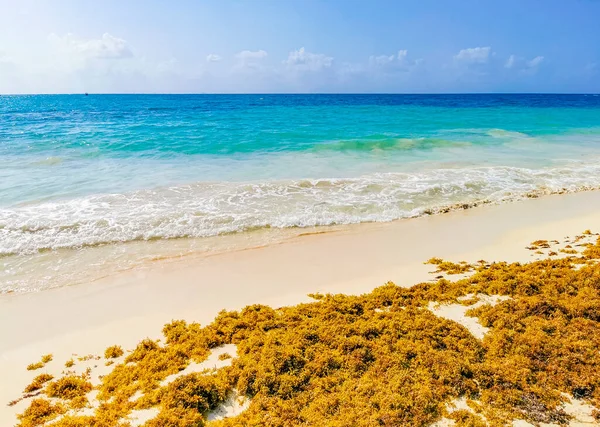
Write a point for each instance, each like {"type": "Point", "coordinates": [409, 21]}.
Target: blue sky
{"type": "Point", "coordinates": [196, 46]}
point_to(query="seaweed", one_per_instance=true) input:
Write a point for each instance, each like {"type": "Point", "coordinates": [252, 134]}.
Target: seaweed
{"type": "Point", "coordinates": [450, 267]}
{"type": "Point", "coordinates": [68, 387]}
{"type": "Point", "coordinates": [465, 418]}
{"type": "Point", "coordinates": [113, 352]}
{"type": "Point", "coordinates": [39, 412]}
{"type": "Point", "coordinates": [539, 244]}
{"type": "Point", "coordinates": [380, 358]}
{"type": "Point", "coordinates": [45, 359]}
{"type": "Point", "coordinates": [38, 382]}
{"type": "Point", "coordinates": [35, 366]}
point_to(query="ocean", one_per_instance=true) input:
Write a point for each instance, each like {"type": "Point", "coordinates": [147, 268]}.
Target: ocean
{"type": "Point", "coordinates": [91, 185]}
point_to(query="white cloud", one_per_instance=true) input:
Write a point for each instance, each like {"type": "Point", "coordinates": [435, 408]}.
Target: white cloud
{"type": "Point", "coordinates": [390, 66]}
{"type": "Point", "coordinates": [402, 55]}
{"type": "Point", "coordinates": [250, 60]}
{"type": "Point", "coordinates": [385, 60]}
{"type": "Point", "coordinates": [306, 61]}
{"type": "Point", "coordinates": [473, 55]}
{"type": "Point", "coordinates": [510, 62]}
{"type": "Point", "coordinates": [535, 62]}
{"type": "Point", "coordinates": [246, 55]}
{"type": "Point", "coordinates": [381, 60]}
{"type": "Point", "coordinates": [213, 57]}
{"type": "Point", "coordinates": [70, 63]}
{"type": "Point", "coordinates": [523, 66]}
{"type": "Point", "coordinates": [106, 47]}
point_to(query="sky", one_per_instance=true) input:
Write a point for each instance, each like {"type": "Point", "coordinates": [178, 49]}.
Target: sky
{"type": "Point", "coordinates": [299, 46]}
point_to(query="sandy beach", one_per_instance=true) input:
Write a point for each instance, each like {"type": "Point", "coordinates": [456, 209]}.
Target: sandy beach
{"type": "Point", "coordinates": [300, 213]}
{"type": "Point", "coordinates": [127, 307]}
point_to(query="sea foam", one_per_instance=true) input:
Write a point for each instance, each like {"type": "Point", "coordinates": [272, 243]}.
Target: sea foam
{"type": "Point", "coordinates": [209, 209]}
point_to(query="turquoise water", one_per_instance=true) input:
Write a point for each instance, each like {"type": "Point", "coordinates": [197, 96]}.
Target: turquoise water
{"type": "Point", "coordinates": [86, 171]}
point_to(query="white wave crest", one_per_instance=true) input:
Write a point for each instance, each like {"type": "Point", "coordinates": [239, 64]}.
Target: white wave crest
{"type": "Point", "coordinates": [208, 209]}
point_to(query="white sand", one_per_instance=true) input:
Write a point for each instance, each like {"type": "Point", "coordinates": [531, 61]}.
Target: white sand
{"type": "Point", "coordinates": [457, 312]}
{"type": "Point", "coordinates": [212, 363]}
{"type": "Point", "coordinates": [127, 307]}
{"type": "Point", "coordinates": [138, 417]}
{"type": "Point", "coordinates": [234, 405]}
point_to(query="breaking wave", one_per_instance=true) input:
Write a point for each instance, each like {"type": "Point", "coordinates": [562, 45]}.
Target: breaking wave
{"type": "Point", "coordinates": [209, 209]}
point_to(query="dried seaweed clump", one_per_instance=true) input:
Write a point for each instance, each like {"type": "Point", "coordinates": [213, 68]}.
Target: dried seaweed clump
{"type": "Point", "coordinates": [592, 252]}
{"type": "Point", "coordinates": [568, 250]}
{"type": "Point", "coordinates": [88, 357]}
{"type": "Point", "coordinates": [463, 417]}
{"type": "Point", "coordinates": [45, 359]}
{"type": "Point", "coordinates": [190, 397]}
{"type": "Point", "coordinates": [34, 366]}
{"type": "Point", "coordinates": [38, 382]}
{"type": "Point", "coordinates": [39, 412]}
{"type": "Point", "coordinates": [113, 352]}
{"type": "Point", "coordinates": [538, 244]}
{"type": "Point", "coordinates": [450, 267]}
{"type": "Point", "coordinates": [68, 387]}
{"type": "Point", "coordinates": [379, 359]}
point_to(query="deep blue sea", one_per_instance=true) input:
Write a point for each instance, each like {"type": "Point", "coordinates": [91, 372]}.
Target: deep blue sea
{"type": "Point", "coordinates": [80, 172]}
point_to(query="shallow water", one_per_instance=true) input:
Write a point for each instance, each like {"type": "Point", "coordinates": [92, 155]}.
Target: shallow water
{"type": "Point", "coordinates": [151, 176]}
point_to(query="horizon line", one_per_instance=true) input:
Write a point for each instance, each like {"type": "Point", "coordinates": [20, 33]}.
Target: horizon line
{"type": "Point", "coordinates": [298, 93]}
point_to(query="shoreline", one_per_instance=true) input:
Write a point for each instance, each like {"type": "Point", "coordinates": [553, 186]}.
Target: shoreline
{"type": "Point", "coordinates": [146, 253]}
{"type": "Point", "coordinates": [124, 308]}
